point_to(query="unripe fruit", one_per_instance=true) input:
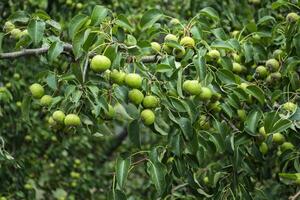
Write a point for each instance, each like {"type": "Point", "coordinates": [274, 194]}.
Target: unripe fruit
{"type": "Point", "coordinates": [263, 132]}
{"type": "Point", "coordinates": [100, 63]}
{"type": "Point", "coordinates": [235, 33]}
{"type": "Point", "coordinates": [8, 26]}
{"type": "Point", "coordinates": [289, 106]}
{"type": "Point", "coordinates": [216, 96]}
{"type": "Point", "coordinates": [237, 68]}
{"type": "Point", "coordinates": [179, 53]}
{"type": "Point", "coordinates": [36, 90]}
{"type": "Point", "coordinates": [8, 85]}
{"type": "Point", "coordinates": [215, 107]}
{"type": "Point", "coordinates": [263, 148]}
{"type": "Point", "coordinates": [110, 113]}
{"type": "Point", "coordinates": [75, 175]}
{"type": "Point", "coordinates": [278, 138]}
{"type": "Point", "coordinates": [58, 116]}
{"type": "Point", "coordinates": [206, 180]}
{"type": "Point", "coordinates": [278, 53]}
{"type": "Point", "coordinates": [72, 120]}
{"type": "Point", "coordinates": [135, 96]}
{"type": "Point", "coordinates": [261, 71]}
{"type": "Point", "coordinates": [150, 101]}
{"type": "Point", "coordinates": [192, 87]}
{"type": "Point", "coordinates": [187, 42]}
{"type": "Point", "coordinates": [148, 117]}
{"type": "Point", "coordinates": [167, 49]}
{"type": "Point", "coordinates": [243, 85]}
{"type": "Point", "coordinates": [46, 100]}
{"type": "Point", "coordinates": [174, 21]}
{"type": "Point", "coordinates": [236, 57]}
{"type": "Point", "coordinates": [117, 77]}
{"type": "Point", "coordinates": [214, 54]}
{"type": "Point", "coordinates": [272, 64]}
{"type": "Point", "coordinates": [133, 80]}
{"type": "Point", "coordinates": [15, 33]}
{"type": "Point", "coordinates": [275, 76]}
{"type": "Point", "coordinates": [292, 17]}
{"type": "Point", "coordinates": [287, 146]}
{"type": "Point", "coordinates": [242, 114]}
{"type": "Point", "coordinates": [155, 46]}
{"type": "Point", "coordinates": [17, 76]}
{"type": "Point", "coordinates": [79, 5]}
{"type": "Point", "coordinates": [19, 103]}
{"type": "Point", "coordinates": [171, 37]}
{"type": "Point", "coordinates": [51, 121]}
{"type": "Point", "coordinates": [205, 94]}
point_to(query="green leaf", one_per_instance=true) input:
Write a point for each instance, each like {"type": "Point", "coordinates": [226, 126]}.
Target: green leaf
{"type": "Point", "coordinates": [179, 83]}
{"type": "Point", "coordinates": [281, 125]}
{"type": "Point", "coordinates": [186, 127]}
{"type": "Point", "coordinates": [252, 121]}
{"type": "Point", "coordinates": [36, 31]}
{"type": "Point", "coordinates": [270, 119]}
{"type": "Point", "coordinates": [210, 13]}
{"type": "Point", "coordinates": [134, 132]}
{"type": "Point", "coordinates": [116, 195]}
{"type": "Point", "coordinates": [199, 62]}
{"type": "Point", "coordinates": [51, 81]}
{"type": "Point", "coordinates": [226, 76]}
{"type": "Point", "coordinates": [76, 24]}
{"type": "Point", "coordinates": [123, 22]}
{"type": "Point", "coordinates": [157, 174]}
{"type": "Point", "coordinates": [163, 68]}
{"type": "Point", "coordinates": [256, 92]}
{"type": "Point", "coordinates": [98, 15]}
{"type": "Point", "coordinates": [1, 40]}
{"type": "Point", "coordinates": [26, 107]}
{"type": "Point", "coordinates": [55, 50]}
{"type": "Point", "coordinates": [122, 169]}
{"type": "Point", "coordinates": [149, 18]}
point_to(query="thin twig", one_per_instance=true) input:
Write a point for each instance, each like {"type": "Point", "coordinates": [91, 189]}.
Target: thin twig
{"type": "Point", "coordinates": [86, 64]}
{"type": "Point", "coordinates": [295, 197]}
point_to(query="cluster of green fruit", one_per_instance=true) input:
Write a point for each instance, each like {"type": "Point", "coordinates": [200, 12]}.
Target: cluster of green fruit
{"type": "Point", "coordinates": [15, 33]}
{"type": "Point", "coordinates": [58, 117]}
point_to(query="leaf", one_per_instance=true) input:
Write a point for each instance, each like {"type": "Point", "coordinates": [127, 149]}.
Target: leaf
{"type": "Point", "coordinates": [1, 40]}
{"type": "Point", "coordinates": [123, 22]}
{"type": "Point", "coordinates": [116, 195]}
{"type": "Point", "coordinates": [134, 132]}
{"type": "Point", "coordinates": [149, 18]}
{"type": "Point", "coordinates": [210, 12]}
{"type": "Point", "coordinates": [26, 107]}
{"type": "Point", "coordinates": [157, 174]}
{"type": "Point", "coordinates": [179, 83]}
{"type": "Point", "coordinates": [122, 169]}
{"type": "Point", "coordinates": [199, 62]}
{"type": "Point", "coordinates": [252, 121]}
{"type": "Point", "coordinates": [55, 50]}
{"type": "Point", "coordinates": [186, 127]}
{"type": "Point", "coordinates": [226, 76]}
{"type": "Point", "coordinates": [98, 15]}
{"type": "Point", "coordinates": [256, 92]}
{"type": "Point", "coordinates": [51, 81]}
{"type": "Point", "coordinates": [281, 125]}
{"type": "Point", "coordinates": [163, 68]}
{"type": "Point", "coordinates": [36, 31]}
{"type": "Point", "coordinates": [76, 23]}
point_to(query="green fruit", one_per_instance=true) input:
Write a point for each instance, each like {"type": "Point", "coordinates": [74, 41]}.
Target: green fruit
{"type": "Point", "coordinates": [135, 96]}
{"type": "Point", "coordinates": [242, 114]}
{"type": "Point", "coordinates": [263, 132]}
{"type": "Point", "coordinates": [214, 54]}
{"type": "Point", "coordinates": [9, 26]}
{"type": "Point", "coordinates": [171, 37]}
{"type": "Point", "coordinates": [19, 103]}
{"type": "Point", "coordinates": [261, 71]}
{"type": "Point", "coordinates": [75, 175]}
{"type": "Point", "coordinates": [272, 65]}
{"type": "Point", "coordinates": [46, 100]}
{"type": "Point", "coordinates": [263, 148]}
{"type": "Point", "coordinates": [289, 106]}
{"type": "Point", "coordinates": [148, 117]}
{"type": "Point", "coordinates": [17, 76]}
{"type": "Point", "coordinates": [51, 121]}
{"type": "Point", "coordinates": [216, 96]}
{"type": "Point", "coordinates": [278, 138]}
{"type": "Point", "coordinates": [236, 57]}
{"type": "Point", "coordinates": [235, 33]}
{"type": "Point", "coordinates": [215, 106]}
{"type": "Point", "coordinates": [287, 146]}
{"type": "Point", "coordinates": [28, 138]}
{"type": "Point", "coordinates": [8, 85]}
{"type": "Point", "coordinates": [278, 53]}
{"type": "Point", "coordinates": [167, 49]}
{"type": "Point", "coordinates": [205, 180]}
{"type": "Point", "coordinates": [15, 33]}
{"type": "Point", "coordinates": [150, 101]}
{"type": "Point", "coordinates": [155, 46]}
{"type": "Point", "coordinates": [37, 91]}
{"type": "Point", "coordinates": [58, 116]}
{"type": "Point", "coordinates": [179, 53]}
{"type": "Point", "coordinates": [110, 114]}
{"type": "Point", "coordinates": [243, 85]}
{"type": "Point", "coordinates": [237, 68]}
{"type": "Point", "coordinates": [192, 87]}
{"type": "Point", "coordinates": [28, 186]}
{"type": "Point", "coordinates": [117, 77]}
{"type": "Point", "coordinates": [275, 76]}
{"type": "Point", "coordinates": [133, 80]}
{"type": "Point", "coordinates": [79, 5]}
{"type": "Point", "coordinates": [174, 21]}
{"type": "Point", "coordinates": [205, 94]}
{"type": "Point", "coordinates": [100, 63]}
{"type": "Point", "coordinates": [292, 17]}
{"type": "Point", "coordinates": [72, 120]}
{"type": "Point", "coordinates": [187, 42]}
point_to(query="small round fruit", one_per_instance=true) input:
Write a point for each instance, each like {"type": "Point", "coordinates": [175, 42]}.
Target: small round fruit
{"type": "Point", "coordinates": [110, 114]}
{"type": "Point", "coordinates": [148, 117]}
{"type": "Point", "coordinates": [8, 85]}
{"type": "Point", "coordinates": [278, 54]}
{"type": "Point", "coordinates": [135, 96]}
{"type": "Point", "coordinates": [150, 101]}
{"type": "Point", "coordinates": [79, 5]}
{"type": "Point", "coordinates": [72, 120]}
{"type": "Point", "coordinates": [237, 68]}
{"type": "Point", "coordinates": [272, 64]}
{"type": "Point", "coordinates": [243, 85]}
{"type": "Point", "coordinates": [37, 90]}
{"type": "Point", "coordinates": [179, 53]}
{"type": "Point", "coordinates": [9, 26]}
{"type": "Point", "coordinates": [263, 148]}
{"type": "Point", "coordinates": [17, 76]}
{"type": "Point", "coordinates": [261, 71]}
{"type": "Point", "coordinates": [58, 116]}
{"type": "Point", "coordinates": [276, 76]}
{"type": "Point", "coordinates": [242, 114]}
{"type": "Point", "coordinates": [155, 46]}
{"type": "Point", "coordinates": [215, 106]}
{"type": "Point", "coordinates": [46, 100]}
{"type": "Point", "coordinates": [174, 21]}
{"type": "Point", "coordinates": [292, 17]}
{"type": "Point", "coordinates": [214, 54]}
{"type": "Point", "coordinates": [287, 146]}
{"type": "Point", "coordinates": [19, 103]}
{"type": "Point", "coordinates": [236, 57]}
{"type": "Point", "coordinates": [278, 138]}
{"type": "Point", "coordinates": [187, 42]}
{"type": "Point", "coordinates": [262, 131]}
{"type": "Point", "coordinates": [15, 33]}
{"type": "Point", "coordinates": [171, 37]}
{"type": "Point", "coordinates": [192, 87]}
{"type": "Point", "coordinates": [205, 94]}
{"type": "Point", "coordinates": [117, 77]}
{"type": "Point", "coordinates": [167, 49]}
{"type": "Point", "coordinates": [133, 80]}
{"type": "Point", "coordinates": [235, 33]}
{"type": "Point", "coordinates": [100, 63]}
{"type": "Point", "coordinates": [289, 106]}
{"type": "Point", "coordinates": [51, 121]}
{"type": "Point", "coordinates": [205, 180]}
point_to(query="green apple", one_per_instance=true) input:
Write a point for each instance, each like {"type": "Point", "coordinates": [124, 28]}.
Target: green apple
{"type": "Point", "coordinates": [72, 120]}
{"type": "Point", "coordinates": [289, 106]}
{"type": "Point", "coordinates": [261, 71]}
{"type": "Point", "coordinates": [214, 54]}
{"type": "Point", "coordinates": [287, 146]}
{"type": "Point", "coordinates": [147, 117]}
{"type": "Point", "coordinates": [37, 91]}
{"type": "Point", "coordinates": [110, 114]}
{"type": "Point", "coordinates": [187, 42]}
{"type": "Point", "coordinates": [292, 17]}
{"type": "Point", "coordinates": [171, 37]}
{"type": "Point", "coordinates": [272, 64]}
{"type": "Point", "coordinates": [117, 77]}
{"type": "Point", "coordinates": [46, 100]}
{"type": "Point", "coordinates": [278, 138]}
{"type": "Point", "coordinates": [192, 87]}
{"type": "Point", "coordinates": [150, 101]}
{"type": "Point", "coordinates": [58, 116]}
{"type": "Point", "coordinates": [100, 63]}
{"type": "Point", "coordinates": [135, 96]}
{"type": "Point", "coordinates": [263, 148]}
{"type": "Point", "coordinates": [155, 46]}
{"type": "Point", "coordinates": [133, 80]}
{"type": "Point", "coordinates": [237, 68]}
{"type": "Point", "coordinates": [205, 93]}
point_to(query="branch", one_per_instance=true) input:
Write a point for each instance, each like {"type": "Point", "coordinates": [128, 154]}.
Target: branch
{"type": "Point", "coordinates": [295, 197]}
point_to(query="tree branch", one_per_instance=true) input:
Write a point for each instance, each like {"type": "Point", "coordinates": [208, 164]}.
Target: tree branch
{"type": "Point", "coordinates": [295, 197]}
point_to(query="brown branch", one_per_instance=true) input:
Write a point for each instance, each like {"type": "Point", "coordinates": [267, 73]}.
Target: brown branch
{"type": "Point", "coordinates": [295, 197]}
